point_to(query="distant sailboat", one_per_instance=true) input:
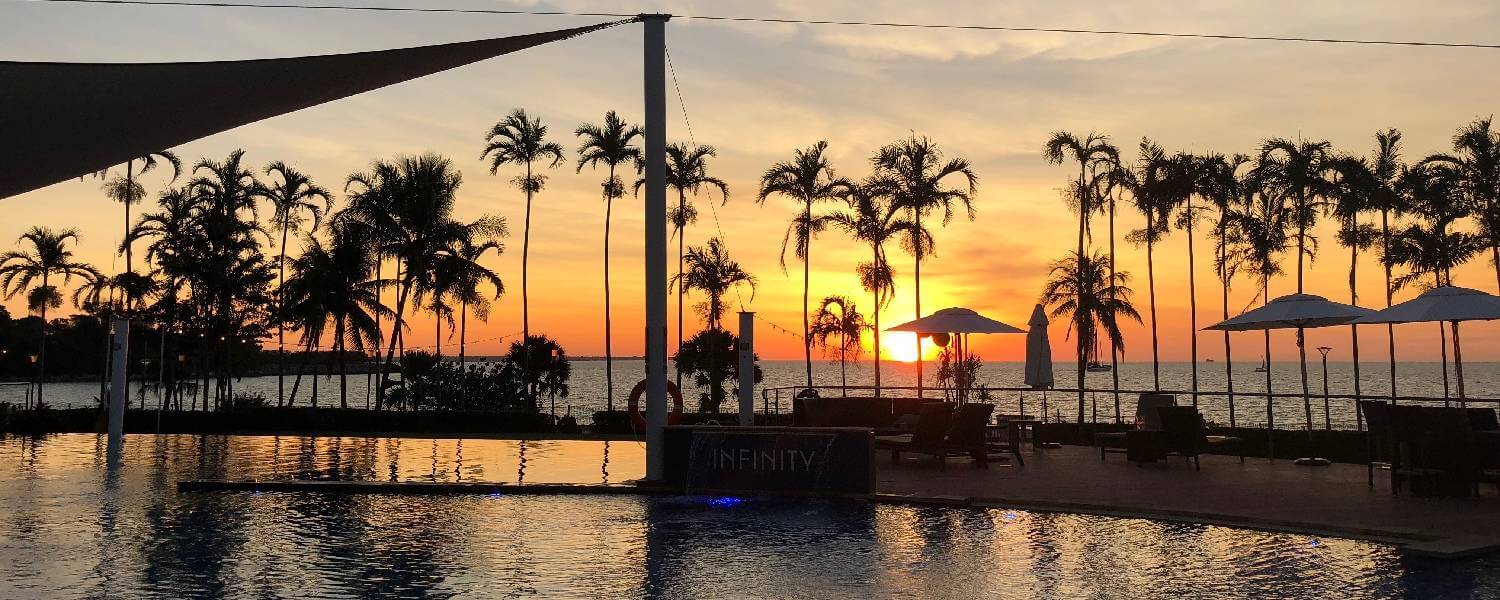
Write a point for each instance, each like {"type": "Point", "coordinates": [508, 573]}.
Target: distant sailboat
{"type": "Point", "coordinates": [1265, 365]}
{"type": "Point", "coordinates": [1098, 367]}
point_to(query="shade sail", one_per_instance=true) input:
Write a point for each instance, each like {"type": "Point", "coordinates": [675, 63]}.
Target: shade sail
{"type": "Point", "coordinates": [1447, 303]}
{"type": "Point", "coordinates": [1294, 311]}
{"type": "Point", "coordinates": [955, 320]}
{"type": "Point", "coordinates": [64, 120]}
{"type": "Point", "coordinates": [1038, 352]}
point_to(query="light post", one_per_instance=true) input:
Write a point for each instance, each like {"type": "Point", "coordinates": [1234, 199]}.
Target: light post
{"type": "Point", "coordinates": [1327, 420]}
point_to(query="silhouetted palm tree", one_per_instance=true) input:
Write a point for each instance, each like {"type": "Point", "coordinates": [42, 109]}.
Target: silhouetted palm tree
{"type": "Point", "coordinates": [838, 317]}
{"type": "Point", "coordinates": [1094, 299]}
{"type": "Point", "coordinates": [331, 282]}
{"type": "Point", "coordinates": [550, 368]}
{"type": "Point", "coordinates": [806, 179]}
{"type": "Point", "coordinates": [520, 139]}
{"type": "Point", "coordinates": [291, 198]}
{"type": "Point", "coordinates": [613, 145]}
{"type": "Point", "coordinates": [1095, 157]}
{"type": "Point", "coordinates": [1386, 167]}
{"type": "Point", "coordinates": [471, 277]}
{"type": "Point", "coordinates": [1159, 184]}
{"type": "Point", "coordinates": [1222, 185]}
{"type": "Point", "coordinates": [1476, 154]}
{"type": "Point", "coordinates": [128, 191]}
{"type": "Point", "coordinates": [874, 219]}
{"type": "Point", "coordinates": [1261, 233]}
{"type": "Point", "coordinates": [710, 270]}
{"type": "Point", "coordinates": [1355, 188]}
{"type": "Point", "coordinates": [912, 172]}
{"type": "Point", "coordinates": [48, 258]}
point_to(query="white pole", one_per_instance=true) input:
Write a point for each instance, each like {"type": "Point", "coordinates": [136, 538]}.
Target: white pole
{"type": "Point", "coordinates": [118, 394]}
{"type": "Point", "coordinates": [656, 241]}
{"type": "Point", "coordinates": [747, 368]}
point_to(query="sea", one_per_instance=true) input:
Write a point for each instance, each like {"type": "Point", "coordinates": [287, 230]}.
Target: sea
{"type": "Point", "coordinates": [588, 391]}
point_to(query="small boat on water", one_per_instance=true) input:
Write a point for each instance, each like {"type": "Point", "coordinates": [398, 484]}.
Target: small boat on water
{"type": "Point", "coordinates": [1265, 365]}
{"type": "Point", "coordinates": [1097, 367]}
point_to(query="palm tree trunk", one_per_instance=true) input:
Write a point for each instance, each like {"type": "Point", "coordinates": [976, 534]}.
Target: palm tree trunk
{"type": "Point", "coordinates": [1390, 329]}
{"type": "Point", "coordinates": [1192, 302]}
{"type": "Point", "coordinates": [609, 357]}
{"type": "Point", "coordinates": [41, 353]}
{"type": "Point", "coordinates": [301, 368]}
{"type": "Point", "coordinates": [1265, 287]}
{"type": "Point", "coordinates": [525, 298]}
{"type": "Point", "coordinates": [463, 373]}
{"type": "Point", "coordinates": [1443, 343]}
{"type": "Point", "coordinates": [1079, 258]}
{"type": "Point", "coordinates": [343, 365]}
{"type": "Point", "coordinates": [1151, 290]}
{"type": "Point", "coordinates": [1495, 256]}
{"type": "Point", "coordinates": [280, 323]}
{"type": "Point", "coordinates": [316, 368]}
{"type": "Point", "coordinates": [917, 283]}
{"type": "Point", "coordinates": [129, 195]}
{"type": "Point", "coordinates": [1228, 353]}
{"type": "Point", "coordinates": [806, 274]}
{"type": "Point", "coordinates": [390, 354]}
{"type": "Point", "coordinates": [1354, 329]}
{"type": "Point", "coordinates": [681, 289]}
{"type": "Point", "coordinates": [1114, 349]}
{"type": "Point", "coordinates": [1458, 367]}
{"type": "Point", "coordinates": [876, 314]}
{"type": "Point", "coordinates": [1306, 395]}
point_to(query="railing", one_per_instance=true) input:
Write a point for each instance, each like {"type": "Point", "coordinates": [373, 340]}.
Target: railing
{"type": "Point", "coordinates": [30, 390]}
{"type": "Point", "coordinates": [1241, 409]}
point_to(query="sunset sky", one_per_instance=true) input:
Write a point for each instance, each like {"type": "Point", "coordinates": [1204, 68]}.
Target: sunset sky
{"type": "Point", "coordinates": [758, 91]}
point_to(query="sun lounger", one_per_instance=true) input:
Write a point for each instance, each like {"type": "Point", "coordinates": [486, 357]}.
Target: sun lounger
{"type": "Point", "coordinates": [933, 422]}
{"type": "Point", "coordinates": [964, 435]}
{"type": "Point", "coordinates": [1183, 434]}
{"type": "Point", "coordinates": [1146, 419]}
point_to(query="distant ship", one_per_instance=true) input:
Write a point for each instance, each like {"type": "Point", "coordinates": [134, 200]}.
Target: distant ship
{"type": "Point", "coordinates": [1097, 367]}
{"type": "Point", "coordinates": [1265, 365]}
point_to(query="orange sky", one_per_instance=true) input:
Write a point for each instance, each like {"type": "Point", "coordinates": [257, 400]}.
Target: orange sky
{"type": "Point", "coordinates": [758, 91]}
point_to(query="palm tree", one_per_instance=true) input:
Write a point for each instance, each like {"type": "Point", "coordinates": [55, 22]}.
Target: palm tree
{"type": "Point", "coordinates": [874, 219]}
{"type": "Point", "coordinates": [912, 172]}
{"type": "Point", "coordinates": [128, 191]}
{"type": "Point", "coordinates": [837, 316]}
{"type": "Point", "coordinates": [710, 270]}
{"type": "Point", "coordinates": [806, 179]}
{"type": "Point", "coordinates": [1299, 171]}
{"type": "Point", "coordinates": [687, 172]}
{"type": "Point", "coordinates": [290, 197]}
{"type": "Point", "coordinates": [471, 277]}
{"type": "Point", "coordinates": [1159, 184]}
{"type": "Point", "coordinates": [407, 205]}
{"type": "Point", "coordinates": [1094, 299]}
{"type": "Point", "coordinates": [1094, 190]}
{"type": "Point", "coordinates": [550, 368]}
{"type": "Point", "coordinates": [1386, 166]}
{"type": "Point", "coordinates": [1354, 192]}
{"type": "Point", "coordinates": [611, 144]}
{"type": "Point", "coordinates": [520, 139]}
{"type": "Point", "coordinates": [1476, 154]}
{"type": "Point", "coordinates": [1260, 232]}
{"type": "Point", "coordinates": [331, 282]}
{"type": "Point", "coordinates": [48, 258]}
{"type": "Point", "coordinates": [1221, 184]}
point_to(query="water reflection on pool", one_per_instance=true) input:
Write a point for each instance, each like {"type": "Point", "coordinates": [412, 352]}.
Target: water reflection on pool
{"type": "Point", "coordinates": [68, 530]}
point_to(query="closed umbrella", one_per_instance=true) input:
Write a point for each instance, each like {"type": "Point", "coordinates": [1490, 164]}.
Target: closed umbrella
{"type": "Point", "coordinates": [1038, 356]}
{"type": "Point", "coordinates": [1294, 311]}
{"type": "Point", "coordinates": [1449, 304]}
{"type": "Point", "coordinates": [958, 321]}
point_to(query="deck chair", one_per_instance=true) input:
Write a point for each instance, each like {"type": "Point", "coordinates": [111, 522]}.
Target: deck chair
{"type": "Point", "coordinates": [1379, 444]}
{"type": "Point", "coordinates": [1184, 434]}
{"type": "Point", "coordinates": [1146, 419]}
{"type": "Point", "coordinates": [1436, 449]}
{"type": "Point", "coordinates": [933, 422]}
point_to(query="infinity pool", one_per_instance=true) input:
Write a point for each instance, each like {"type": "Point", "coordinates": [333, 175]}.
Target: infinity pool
{"type": "Point", "coordinates": [72, 529]}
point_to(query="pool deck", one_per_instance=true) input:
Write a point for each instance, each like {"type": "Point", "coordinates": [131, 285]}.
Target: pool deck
{"type": "Point", "coordinates": [1330, 501]}
{"type": "Point", "coordinates": [1334, 501]}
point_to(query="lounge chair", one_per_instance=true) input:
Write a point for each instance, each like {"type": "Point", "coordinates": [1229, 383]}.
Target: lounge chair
{"type": "Point", "coordinates": [1436, 450]}
{"type": "Point", "coordinates": [1183, 434]}
{"type": "Point", "coordinates": [964, 436]}
{"type": "Point", "coordinates": [1379, 444]}
{"type": "Point", "coordinates": [1146, 419]}
{"type": "Point", "coordinates": [933, 422]}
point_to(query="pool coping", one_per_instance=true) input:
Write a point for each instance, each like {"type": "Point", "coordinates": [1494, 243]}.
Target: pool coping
{"type": "Point", "coordinates": [1413, 543]}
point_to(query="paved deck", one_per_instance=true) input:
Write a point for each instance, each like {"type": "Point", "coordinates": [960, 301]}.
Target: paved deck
{"type": "Point", "coordinates": [1334, 500]}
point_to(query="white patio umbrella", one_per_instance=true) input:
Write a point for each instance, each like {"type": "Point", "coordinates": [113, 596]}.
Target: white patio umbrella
{"type": "Point", "coordinates": [1449, 304]}
{"type": "Point", "coordinates": [1294, 311]}
{"type": "Point", "coordinates": [1038, 357]}
{"type": "Point", "coordinates": [958, 321]}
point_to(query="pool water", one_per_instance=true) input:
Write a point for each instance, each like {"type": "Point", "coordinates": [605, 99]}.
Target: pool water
{"type": "Point", "coordinates": [71, 528]}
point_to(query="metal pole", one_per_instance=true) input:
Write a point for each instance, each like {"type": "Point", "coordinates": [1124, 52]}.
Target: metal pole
{"type": "Point", "coordinates": [747, 368]}
{"type": "Point", "coordinates": [1327, 420]}
{"type": "Point", "coordinates": [656, 241]}
{"type": "Point", "coordinates": [118, 395]}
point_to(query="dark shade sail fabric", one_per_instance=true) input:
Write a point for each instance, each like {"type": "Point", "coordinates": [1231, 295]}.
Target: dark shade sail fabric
{"type": "Point", "coordinates": [64, 120]}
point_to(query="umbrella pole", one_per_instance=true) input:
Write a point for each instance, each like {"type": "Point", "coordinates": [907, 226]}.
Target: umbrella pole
{"type": "Point", "coordinates": [1306, 395]}
{"type": "Point", "coordinates": [1458, 366]}
{"type": "Point", "coordinates": [1443, 345]}
{"type": "Point", "coordinates": [1270, 402]}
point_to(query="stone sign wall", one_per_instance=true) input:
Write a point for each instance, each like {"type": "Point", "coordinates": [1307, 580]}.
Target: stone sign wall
{"type": "Point", "coordinates": [812, 459]}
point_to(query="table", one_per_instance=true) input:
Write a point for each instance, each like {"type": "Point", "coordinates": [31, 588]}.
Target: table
{"type": "Point", "coordinates": [1016, 427]}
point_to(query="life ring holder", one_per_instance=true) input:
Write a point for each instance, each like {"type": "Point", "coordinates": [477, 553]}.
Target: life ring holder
{"type": "Point", "coordinates": [633, 406]}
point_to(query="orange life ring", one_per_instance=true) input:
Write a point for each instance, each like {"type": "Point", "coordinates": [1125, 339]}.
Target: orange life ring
{"type": "Point", "coordinates": [634, 405]}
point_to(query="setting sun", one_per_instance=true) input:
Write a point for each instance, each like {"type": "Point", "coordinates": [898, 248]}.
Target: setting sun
{"type": "Point", "coordinates": [897, 346]}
